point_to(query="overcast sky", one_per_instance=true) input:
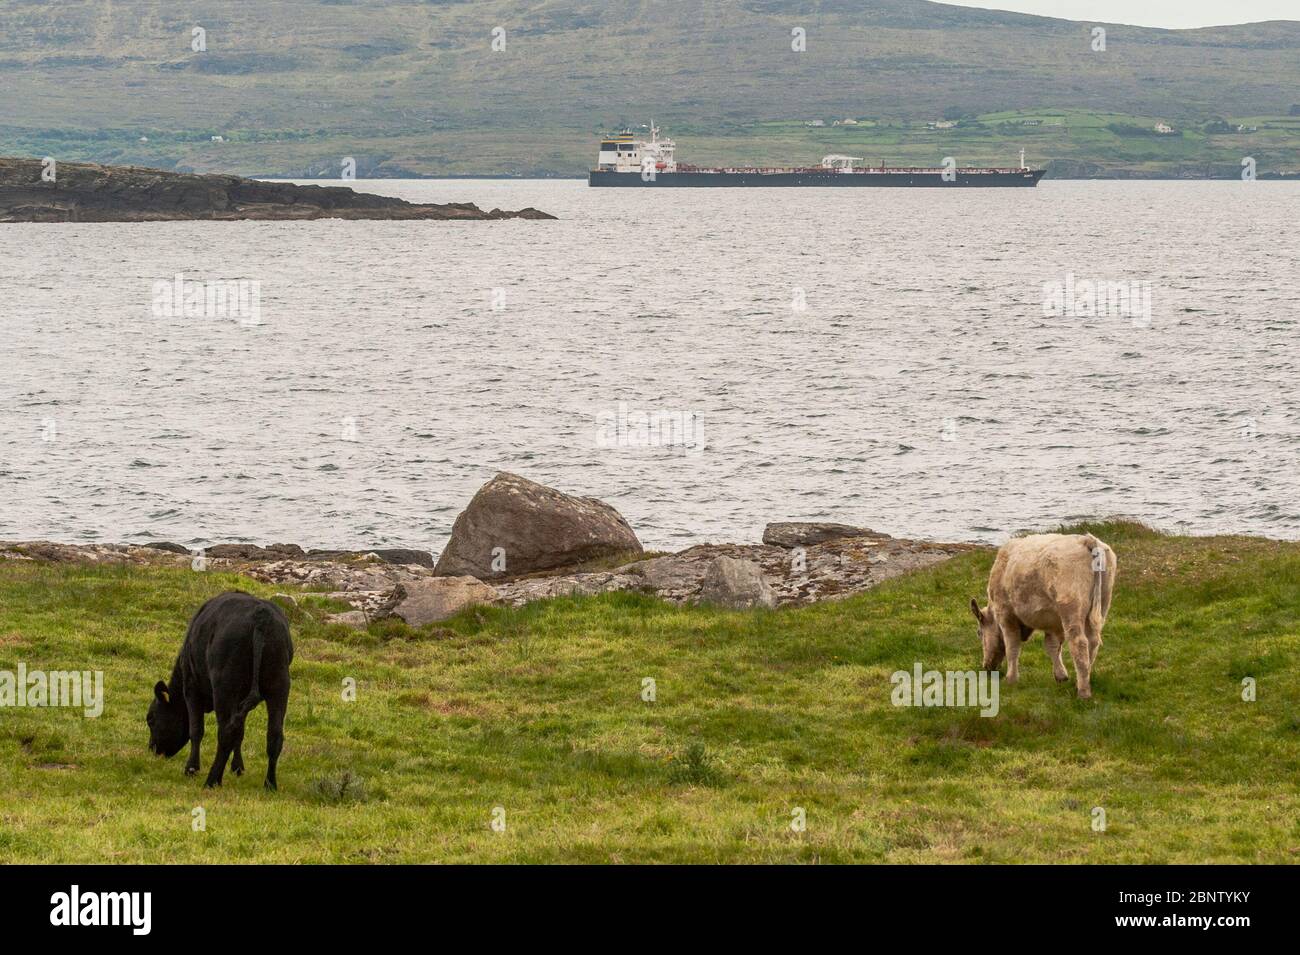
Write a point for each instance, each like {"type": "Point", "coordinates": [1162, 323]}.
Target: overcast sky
{"type": "Point", "coordinates": [1175, 14]}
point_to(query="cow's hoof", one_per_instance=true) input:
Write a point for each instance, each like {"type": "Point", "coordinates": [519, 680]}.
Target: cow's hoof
{"type": "Point", "coordinates": [1062, 678]}
{"type": "Point", "coordinates": [237, 770]}
{"type": "Point", "coordinates": [191, 770]}
{"type": "Point", "coordinates": [212, 784]}
{"type": "Point", "coordinates": [269, 786]}
{"type": "Point", "coordinates": [1085, 696]}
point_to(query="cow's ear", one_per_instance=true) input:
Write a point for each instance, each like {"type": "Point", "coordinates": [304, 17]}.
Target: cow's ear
{"type": "Point", "coordinates": [975, 609]}
{"type": "Point", "coordinates": [160, 691]}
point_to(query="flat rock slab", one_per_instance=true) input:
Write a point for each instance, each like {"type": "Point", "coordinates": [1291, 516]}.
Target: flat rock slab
{"type": "Point", "coordinates": [52, 553]}
{"type": "Point", "coordinates": [390, 555]}
{"type": "Point", "coordinates": [519, 592]}
{"type": "Point", "coordinates": [437, 598]}
{"type": "Point", "coordinates": [356, 619]}
{"type": "Point", "coordinates": [326, 575]}
{"type": "Point", "coordinates": [734, 583]}
{"type": "Point", "coordinates": [808, 533]}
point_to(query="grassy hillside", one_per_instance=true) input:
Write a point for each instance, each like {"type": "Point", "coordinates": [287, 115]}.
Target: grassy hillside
{"type": "Point", "coordinates": [415, 87]}
{"type": "Point", "coordinates": [539, 712]}
{"type": "Point", "coordinates": [1072, 143]}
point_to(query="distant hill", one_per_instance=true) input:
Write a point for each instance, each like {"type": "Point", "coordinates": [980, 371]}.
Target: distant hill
{"type": "Point", "coordinates": [416, 87]}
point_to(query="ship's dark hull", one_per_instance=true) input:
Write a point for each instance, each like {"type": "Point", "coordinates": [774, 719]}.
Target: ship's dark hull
{"type": "Point", "coordinates": [905, 178]}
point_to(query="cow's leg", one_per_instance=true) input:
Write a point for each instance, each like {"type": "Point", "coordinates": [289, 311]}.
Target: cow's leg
{"type": "Point", "coordinates": [1094, 644]}
{"type": "Point", "coordinates": [1011, 642]}
{"type": "Point", "coordinates": [237, 741]}
{"type": "Point", "coordinates": [276, 706]}
{"type": "Point", "coordinates": [195, 711]}
{"type": "Point", "coordinates": [1082, 654]}
{"type": "Point", "coordinates": [1052, 643]}
{"type": "Point", "coordinates": [230, 732]}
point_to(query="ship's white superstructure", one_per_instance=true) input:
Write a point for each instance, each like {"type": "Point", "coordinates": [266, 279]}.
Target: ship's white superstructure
{"type": "Point", "coordinates": [623, 152]}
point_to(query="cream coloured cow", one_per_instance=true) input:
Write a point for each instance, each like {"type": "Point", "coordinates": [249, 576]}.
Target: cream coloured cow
{"type": "Point", "coordinates": [1060, 584]}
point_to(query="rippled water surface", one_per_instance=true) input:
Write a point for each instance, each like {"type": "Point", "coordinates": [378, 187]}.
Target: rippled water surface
{"type": "Point", "coordinates": [919, 390]}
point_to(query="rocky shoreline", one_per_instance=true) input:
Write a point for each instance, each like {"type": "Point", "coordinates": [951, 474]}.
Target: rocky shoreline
{"type": "Point", "coordinates": [530, 543]}
{"type": "Point", "coordinates": [31, 191]}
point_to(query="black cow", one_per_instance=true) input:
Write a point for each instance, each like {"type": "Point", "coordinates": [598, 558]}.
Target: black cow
{"type": "Point", "coordinates": [236, 653]}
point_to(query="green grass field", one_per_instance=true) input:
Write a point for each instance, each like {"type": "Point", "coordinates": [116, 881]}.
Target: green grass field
{"type": "Point", "coordinates": [540, 712]}
{"type": "Point", "coordinates": [1069, 142]}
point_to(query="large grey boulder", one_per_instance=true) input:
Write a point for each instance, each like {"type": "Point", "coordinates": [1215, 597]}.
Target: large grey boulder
{"type": "Point", "coordinates": [810, 533]}
{"type": "Point", "coordinates": [527, 527]}
{"type": "Point", "coordinates": [738, 584]}
{"type": "Point", "coordinates": [436, 598]}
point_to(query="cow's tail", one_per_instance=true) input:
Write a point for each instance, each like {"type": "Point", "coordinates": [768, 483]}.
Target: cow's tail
{"type": "Point", "coordinates": [1100, 568]}
{"type": "Point", "coordinates": [263, 620]}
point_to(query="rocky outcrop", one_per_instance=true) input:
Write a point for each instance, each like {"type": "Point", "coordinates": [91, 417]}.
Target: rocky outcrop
{"type": "Point", "coordinates": [738, 584]}
{"type": "Point", "coordinates": [52, 553]}
{"type": "Point", "coordinates": [89, 192]}
{"type": "Point", "coordinates": [334, 576]}
{"type": "Point", "coordinates": [831, 570]}
{"type": "Point", "coordinates": [169, 546]}
{"type": "Point", "coordinates": [427, 601]}
{"type": "Point", "coordinates": [807, 533]}
{"type": "Point", "coordinates": [513, 527]}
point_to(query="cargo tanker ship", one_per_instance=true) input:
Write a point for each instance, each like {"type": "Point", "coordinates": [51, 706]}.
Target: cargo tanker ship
{"type": "Point", "coordinates": [625, 160]}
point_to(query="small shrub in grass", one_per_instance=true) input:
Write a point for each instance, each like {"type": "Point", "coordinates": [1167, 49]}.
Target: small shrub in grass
{"type": "Point", "coordinates": [522, 642]}
{"type": "Point", "coordinates": [1107, 528]}
{"type": "Point", "coordinates": [946, 754]}
{"type": "Point", "coordinates": [393, 628]}
{"type": "Point", "coordinates": [343, 788]}
{"type": "Point", "coordinates": [317, 606]}
{"type": "Point", "coordinates": [1257, 665]}
{"type": "Point", "coordinates": [289, 605]}
{"type": "Point", "coordinates": [40, 743]}
{"type": "Point", "coordinates": [694, 766]}
{"type": "Point", "coordinates": [614, 765]}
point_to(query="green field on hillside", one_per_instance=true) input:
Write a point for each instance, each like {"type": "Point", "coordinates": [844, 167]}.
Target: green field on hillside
{"type": "Point", "coordinates": [421, 89]}
{"type": "Point", "coordinates": [1070, 143]}
{"type": "Point", "coordinates": [537, 715]}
